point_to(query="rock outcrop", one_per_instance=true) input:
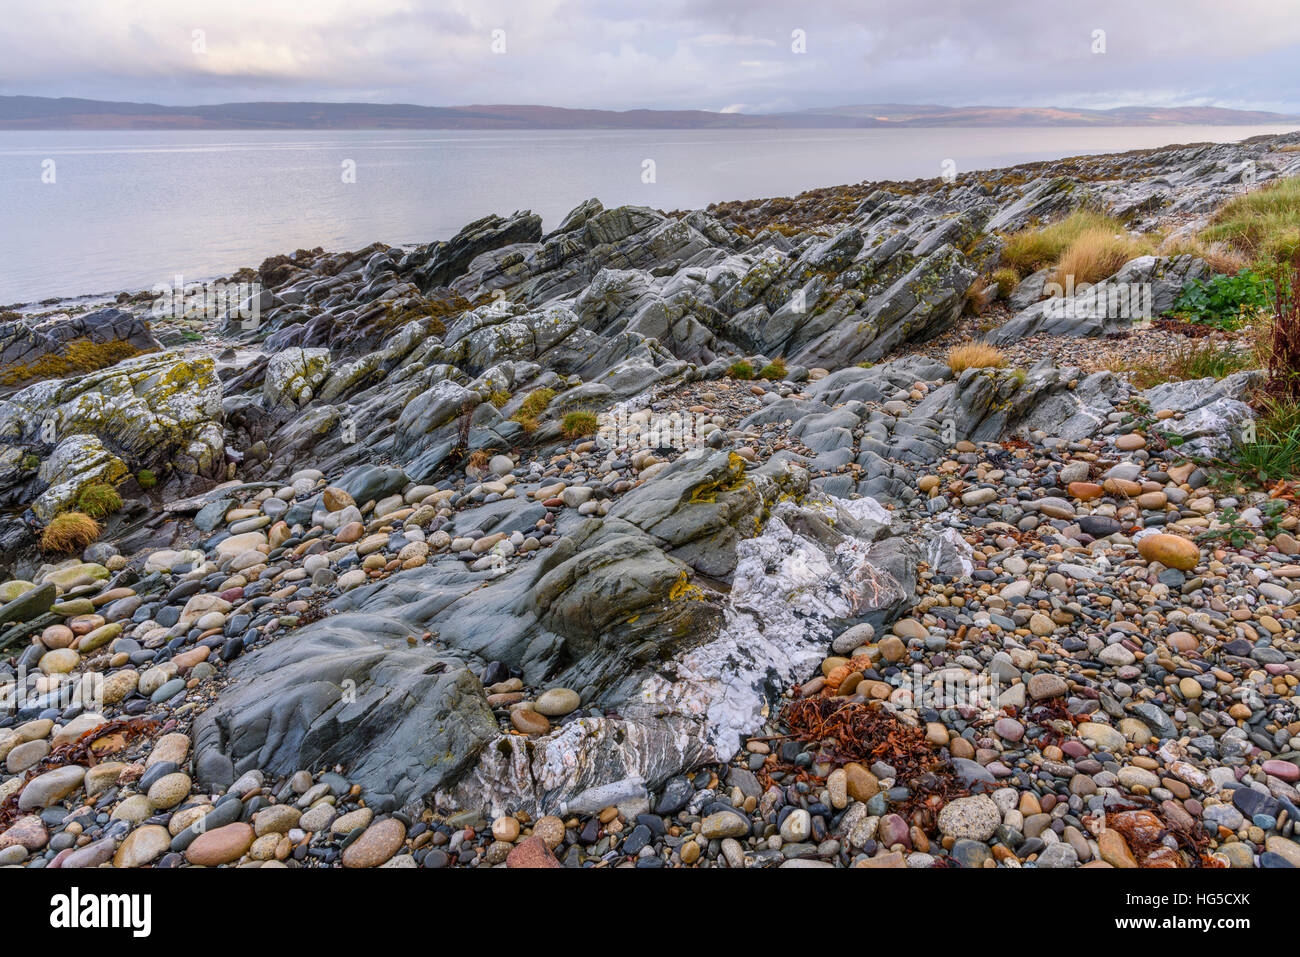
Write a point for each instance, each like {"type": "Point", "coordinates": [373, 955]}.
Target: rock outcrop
{"type": "Point", "coordinates": [66, 346]}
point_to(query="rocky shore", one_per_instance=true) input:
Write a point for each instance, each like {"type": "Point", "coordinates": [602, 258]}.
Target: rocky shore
{"type": "Point", "coordinates": [660, 539]}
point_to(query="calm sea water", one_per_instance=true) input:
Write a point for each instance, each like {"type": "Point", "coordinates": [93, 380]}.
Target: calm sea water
{"type": "Point", "coordinates": [128, 210]}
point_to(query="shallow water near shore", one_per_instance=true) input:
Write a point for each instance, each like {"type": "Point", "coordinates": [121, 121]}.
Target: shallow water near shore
{"type": "Point", "coordinates": [132, 209]}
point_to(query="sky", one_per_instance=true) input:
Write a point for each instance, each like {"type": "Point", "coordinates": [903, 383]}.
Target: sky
{"type": "Point", "coordinates": [735, 55]}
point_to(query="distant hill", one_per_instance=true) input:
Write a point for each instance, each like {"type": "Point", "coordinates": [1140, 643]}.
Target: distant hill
{"type": "Point", "coordinates": [66, 113]}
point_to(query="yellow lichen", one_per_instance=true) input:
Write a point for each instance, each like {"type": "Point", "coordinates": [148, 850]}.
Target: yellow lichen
{"type": "Point", "coordinates": [78, 357]}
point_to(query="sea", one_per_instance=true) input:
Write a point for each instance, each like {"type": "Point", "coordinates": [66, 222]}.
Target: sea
{"type": "Point", "coordinates": [84, 213]}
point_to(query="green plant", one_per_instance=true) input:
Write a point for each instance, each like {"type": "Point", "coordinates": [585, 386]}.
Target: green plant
{"type": "Point", "coordinates": [98, 500]}
{"type": "Point", "coordinates": [30, 461]}
{"type": "Point", "coordinates": [1203, 360]}
{"type": "Point", "coordinates": [577, 424]}
{"type": "Point", "coordinates": [1273, 453]}
{"type": "Point", "coordinates": [1233, 531]}
{"type": "Point", "coordinates": [146, 479]}
{"type": "Point", "coordinates": [741, 370]}
{"type": "Point", "coordinates": [1225, 302]}
{"type": "Point", "coordinates": [68, 532]}
{"type": "Point", "coordinates": [1238, 533]}
{"type": "Point", "coordinates": [1272, 512]}
{"type": "Point", "coordinates": [773, 370]}
{"type": "Point", "coordinates": [499, 397]}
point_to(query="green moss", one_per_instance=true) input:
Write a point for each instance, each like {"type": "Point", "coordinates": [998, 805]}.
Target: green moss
{"type": "Point", "coordinates": [146, 479]}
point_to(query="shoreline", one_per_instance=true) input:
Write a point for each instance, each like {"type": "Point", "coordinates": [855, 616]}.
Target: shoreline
{"type": "Point", "coordinates": [274, 248]}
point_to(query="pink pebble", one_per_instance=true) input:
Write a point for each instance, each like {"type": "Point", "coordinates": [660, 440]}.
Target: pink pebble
{"type": "Point", "coordinates": [1282, 769]}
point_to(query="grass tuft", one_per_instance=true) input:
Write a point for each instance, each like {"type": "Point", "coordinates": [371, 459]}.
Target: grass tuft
{"type": "Point", "coordinates": [577, 424]}
{"type": "Point", "coordinates": [1097, 254]}
{"type": "Point", "coordinates": [532, 407]}
{"type": "Point", "coordinates": [1264, 224]}
{"type": "Point", "coordinates": [1275, 453]}
{"type": "Point", "coordinates": [98, 500]}
{"type": "Point", "coordinates": [68, 532]}
{"type": "Point", "coordinates": [975, 355]}
{"type": "Point", "coordinates": [537, 402]}
{"type": "Point", "coordinates": [1006, 279]}
{"type": "Point", "coordinates": [1223, 259]}
{"type": "Point", "coordinates": [1198, 360]}
{"type": "Point", "coordinates": [1030, 250]}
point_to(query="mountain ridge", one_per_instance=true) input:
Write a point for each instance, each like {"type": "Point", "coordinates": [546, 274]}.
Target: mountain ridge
{"type": "Point", "coordinates": [73, 113]}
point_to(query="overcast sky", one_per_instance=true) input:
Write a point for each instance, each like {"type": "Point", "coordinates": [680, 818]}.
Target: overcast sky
{"type": "Point", "coordinates": [667, 54]}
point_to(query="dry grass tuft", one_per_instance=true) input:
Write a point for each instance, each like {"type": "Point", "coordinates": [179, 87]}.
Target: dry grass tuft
{"type": "Point", "coordinates": [1221, 257]}
{"type": "Point", "coordinates": [1097, 254]}
{"type": "Point", "coordinates": [1029, 250]}
{"type": "Point", "coordinates": [975, 355]}
{"type": "Point", "coordinates": [69, 532]}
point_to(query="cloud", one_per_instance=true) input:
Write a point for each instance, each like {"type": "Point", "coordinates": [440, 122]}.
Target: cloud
{"type": "Point", "coordinates": [665, 53]}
